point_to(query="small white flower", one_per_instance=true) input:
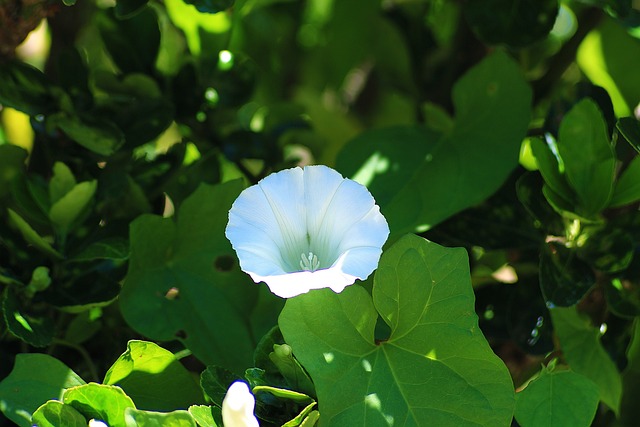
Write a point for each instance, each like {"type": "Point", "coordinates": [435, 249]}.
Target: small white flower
{"type": "Point", "coordinates": [97, 423]}
{"type": "Point", "coordinates": [302, 229]}
{"type": "Point", "coordinates": [238, 406]}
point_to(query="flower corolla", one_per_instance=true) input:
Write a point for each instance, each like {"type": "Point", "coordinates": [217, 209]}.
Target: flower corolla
{"type": "Point", "coordinates": [302, 229]}
{"type": "Point", "coordinates": [238, 406]}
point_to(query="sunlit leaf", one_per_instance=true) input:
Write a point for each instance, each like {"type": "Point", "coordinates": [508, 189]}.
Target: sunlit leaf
{"type": "Point", "coordinates": [435, 368]}
{"type": "Point", "coordinates": [153, 378]}
{"type": "Point", "coordinates": [35, 378]}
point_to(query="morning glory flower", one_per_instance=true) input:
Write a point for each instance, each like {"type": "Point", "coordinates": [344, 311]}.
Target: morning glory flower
{"type": "Point", "coordinates": [302, 229]}
{"type": "Point", "coordinates": [238, 406]}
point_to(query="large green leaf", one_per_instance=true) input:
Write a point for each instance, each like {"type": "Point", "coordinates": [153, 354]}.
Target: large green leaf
{"type": "Point", "coordinates": [420, 178]}
{"type": "Point", "coordinates": [557, 398]}
{"type": "Point", "coordinates": [102, 402]}
{"type": "Point", "coordinates": [154, 378]}
{"type": "Point", "coordinates": [183, 281]}
{"type": "Point", "coordinates": [581, 347]}
{"type": "Point", "coordinates": [589, 160]}
{"type": "Point", "coordinates": [35, 378]}
{"type": "Point", "coordinates": [436, 368]}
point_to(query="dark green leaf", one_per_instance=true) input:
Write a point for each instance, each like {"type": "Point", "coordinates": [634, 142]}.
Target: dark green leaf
{"type": "Point", "coordinates": [629, 127]}
{"type": "Point", "coordinates": [99, 136]}
{"type": "Point", "coordinates": [564, 279]}
{"type": "Point", "coordinates": [35, 378]}
{"type": "Point", "coordinates": [32, 328]}
{"type": "Point", "coordinates": [583, 351]}
{"type": "Point", "coordinates": [215, 382]}
{"type": "Point", "coordinates": [629, 409]}
{"type": "Point", "coordinates": [515, 23]}
{"type": "Point", "coordinates": [627, 188]}
{"type": "Point", "coordinates": [153, 378]}
{"type": "Point", "coordinates": [417, 376]}
{"type": "Point", "coordinates": [26, 89]}
{"type": "Point", "coordinates": [609, 250]}
{"type": "Point", "coordinates": [12, 164]}
{"type": "Point", "coordinates": [115, 248]}
{"type": "Point", "coordinates": [549, 166]}
{"type": "Point", "coordinates": [184, 281]}
{"type": "Point", "coordinates": [132, 43]}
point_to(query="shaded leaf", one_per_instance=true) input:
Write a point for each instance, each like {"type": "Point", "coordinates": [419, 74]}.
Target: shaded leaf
{"type": "Point", "coordinates": [32, 328]}
{"type": "Point", "coordinates": [137, 418]}
{"type": "Point", "coordinates": [564, 279]}
{"type": "Point", "coordinates": [582, 350]}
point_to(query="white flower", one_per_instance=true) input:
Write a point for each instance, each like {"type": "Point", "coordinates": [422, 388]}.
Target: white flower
{"type": "Point", "coordinates": [302, 229]}
{"type": "Point", "coordinates": [96, 423]}
{"type": "Point", "coordinates": [238, 406]}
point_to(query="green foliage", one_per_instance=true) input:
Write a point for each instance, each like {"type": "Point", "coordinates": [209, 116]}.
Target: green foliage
{"type": "Point", "coordinates": [508, 128]}
{"type": "Point", "coordinates": [183, 284]}
{"type": "Point", "coordinates": [559, 397]}
{"type": "Point", "coordinates": [35, 378]}
{"type": "Point", "coordinates": [153, 378]}
{"type": "Point", "coordinates": [416, 376]}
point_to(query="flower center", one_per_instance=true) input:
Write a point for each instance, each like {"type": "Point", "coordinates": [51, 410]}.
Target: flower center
{"type": "Point", "coordinates": [309, 262]}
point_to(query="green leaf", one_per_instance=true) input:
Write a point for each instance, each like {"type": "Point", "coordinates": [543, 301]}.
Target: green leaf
{"type": "Point", "coordinates": [137, 418]}
{"type": "Point", "coordinates": [419, 178]}
{"type": "Point", "coordinates": [184, 282]}
{"type": "Point", "coordinates": [589, 160]}
{"type": "Point", "coordinates": [66, 210]}
{"type": "Point", "coordinates": [627, 188]}
{"type": "Point", "coordinates": [35, 378]}
{"type": "Point", "coordinates": [56, 414]}
{"type": "Point", "coordinates": [293, 373]}
{"type": "Point", "coordinates": [132, 43]}
{"type": "Point", "coordinates": [215, 382]}
{"type": "Point", "coordinates": [629, 409]}
{"type": "Point", "coordinates": [61, 183]}
{"type": "Point", "coordinates": [32, 328]}
{"type": "Point", "coordinates": [583, 351]}
{"type": "Point", "coordinates": [101, 402]}
{"type": "Point", "coordinates": [557, 398]}
{"type": "Point", "coordinates": [154, 378]}
{"type": "Point", "coordinates": [284, 394]}
{"type": "Point", "coordinates": [548, 164]}
{"type": "Point", "coordinates": [203, 415]}
{"type": "Point", "coordinates": [26, 89]}
{"type": "Point", "coordinates": [436, 368]}
{"type": "Point", "coordinates": [564, 278]}
{"type": "Point", "coordinates": [114, 248]}
{"type": "Point", "coordinates": [516, 23]}
{"type": "Point", "coordinates": [629, 127]}
{"type": "Point", "coordinates": [12, 160]}
{"type": "Point", "coordinates": [100, 136]}
{"type": "Point", "coordinates": [31, 236]}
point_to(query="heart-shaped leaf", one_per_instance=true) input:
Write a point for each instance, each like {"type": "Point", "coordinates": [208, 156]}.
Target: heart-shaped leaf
{"type": "Point", "coordinates": [436, 368]}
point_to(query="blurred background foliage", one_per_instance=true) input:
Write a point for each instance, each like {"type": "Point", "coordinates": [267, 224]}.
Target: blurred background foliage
{"type": "Point", "coordinates": [507, 127]}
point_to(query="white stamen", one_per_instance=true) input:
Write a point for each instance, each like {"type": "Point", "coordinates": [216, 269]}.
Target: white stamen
{"type": "Point", "coordinates": [309, 262]}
